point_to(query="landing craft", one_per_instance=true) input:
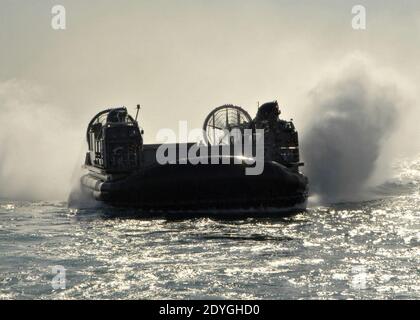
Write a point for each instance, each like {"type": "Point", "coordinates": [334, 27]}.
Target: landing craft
{"type": "Point", "coordinates": [122, 171]}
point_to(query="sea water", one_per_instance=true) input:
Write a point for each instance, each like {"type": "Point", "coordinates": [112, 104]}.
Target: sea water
{"type": "Point", "coordinates": [356, 250]}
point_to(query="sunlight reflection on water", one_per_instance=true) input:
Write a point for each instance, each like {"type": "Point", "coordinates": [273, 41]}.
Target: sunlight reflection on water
{"type": "Point", "coordinates": [363, 250]}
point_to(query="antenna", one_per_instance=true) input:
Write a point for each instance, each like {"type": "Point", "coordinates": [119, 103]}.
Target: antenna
{"type": "Point", "coordinates": [137, 113]}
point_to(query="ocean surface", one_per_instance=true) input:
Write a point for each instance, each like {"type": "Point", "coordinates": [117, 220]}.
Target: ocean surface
{"type": "Point", "coordinates": [357, 250]}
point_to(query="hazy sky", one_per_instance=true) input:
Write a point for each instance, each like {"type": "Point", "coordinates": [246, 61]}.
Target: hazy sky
{"type": "Point", "coordinates": [178, 59]}
{"type": "Point", "coordinates": [181, 58]}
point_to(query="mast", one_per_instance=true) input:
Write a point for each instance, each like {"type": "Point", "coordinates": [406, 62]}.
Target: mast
{"type": "Point", "coordinates": [137, 113]}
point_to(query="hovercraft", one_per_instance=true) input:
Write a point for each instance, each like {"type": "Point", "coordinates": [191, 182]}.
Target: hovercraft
{"type": "Point", "coordinates": [217, 175]}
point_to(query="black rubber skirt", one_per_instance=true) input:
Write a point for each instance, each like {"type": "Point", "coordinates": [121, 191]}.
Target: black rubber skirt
{"type": "Point", "coordinates": [202, 187]}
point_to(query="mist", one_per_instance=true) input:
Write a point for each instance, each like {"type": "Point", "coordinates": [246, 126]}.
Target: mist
{"type": "Point", "coordinates": [354, 114]}
{"type": "Point", "coordinates": [39, 147]}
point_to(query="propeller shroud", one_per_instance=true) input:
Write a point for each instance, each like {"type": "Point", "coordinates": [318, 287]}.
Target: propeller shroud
{"type": "Point", "coordinates": [221, 121]}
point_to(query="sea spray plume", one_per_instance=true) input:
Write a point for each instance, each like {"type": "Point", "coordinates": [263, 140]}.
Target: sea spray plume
{"type": "Point", "coordinates": [351, 117]}
{"type": "Point", "coordinates": [38, 145]}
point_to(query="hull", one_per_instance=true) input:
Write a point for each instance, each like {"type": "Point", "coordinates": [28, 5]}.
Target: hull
{"type": "Point", "coordinates": [222, 188]}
